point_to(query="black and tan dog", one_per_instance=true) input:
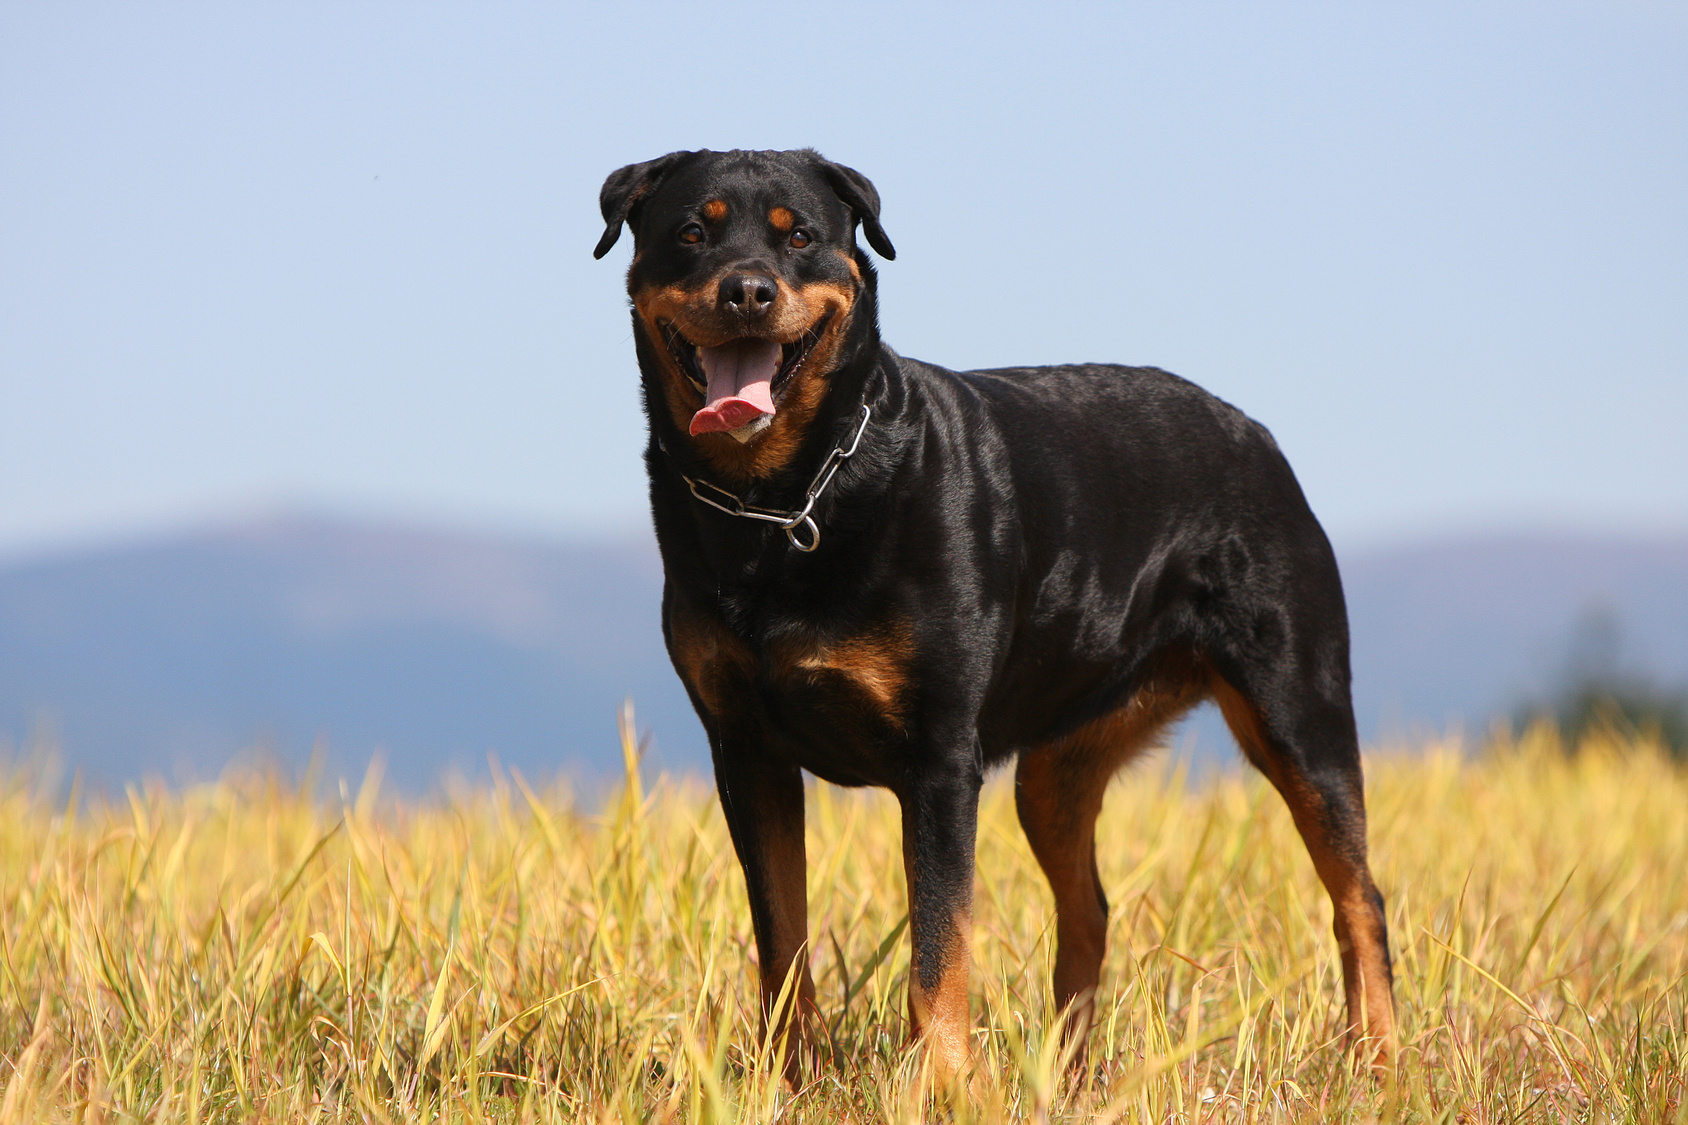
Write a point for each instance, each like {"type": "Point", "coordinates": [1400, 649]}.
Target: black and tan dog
{"type": "Point", "coordinates": [887, 573]}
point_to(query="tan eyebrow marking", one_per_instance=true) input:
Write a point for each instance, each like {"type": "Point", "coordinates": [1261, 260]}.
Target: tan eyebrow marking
{"type": "Point", "coordinates": [715, 210]}
{"type": "Point", "coordinates": [782, 218]}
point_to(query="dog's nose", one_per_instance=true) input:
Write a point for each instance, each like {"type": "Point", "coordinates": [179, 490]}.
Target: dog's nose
{"type": "Point", "coordinates": [749, 294]}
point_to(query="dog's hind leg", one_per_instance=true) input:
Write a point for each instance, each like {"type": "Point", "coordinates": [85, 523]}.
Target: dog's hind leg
{"type": "Point", "coordinates": [1297, 726]}
{"type": "Point", "coordinates": [1058, 790]}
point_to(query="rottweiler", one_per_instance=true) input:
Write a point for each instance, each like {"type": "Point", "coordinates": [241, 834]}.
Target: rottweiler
{"type": "Point", "coordinates": [888, 573]}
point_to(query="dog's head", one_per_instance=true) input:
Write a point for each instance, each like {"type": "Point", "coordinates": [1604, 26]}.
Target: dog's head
{"type": "Point", "coordinates": [746, 281]}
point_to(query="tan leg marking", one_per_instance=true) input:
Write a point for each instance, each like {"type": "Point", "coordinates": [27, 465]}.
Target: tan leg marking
{"type": "Point", "coordinates": [939, 1017]}
{"type": "Point", "coordinates": [1058, 789]}
{"type": "Point", "coordinates": [1341, 864]}
{"type": "Point", "coordinates": [786, 864]}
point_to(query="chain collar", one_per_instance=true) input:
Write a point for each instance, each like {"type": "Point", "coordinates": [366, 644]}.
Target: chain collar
{"type": "Point", "coordinates": [789, 522]}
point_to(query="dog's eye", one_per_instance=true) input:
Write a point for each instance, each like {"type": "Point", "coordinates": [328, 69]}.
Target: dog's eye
{"type": "Point", "coordinates": [800, 238]}
{"type": "Point", "coordinates": [691, 234]}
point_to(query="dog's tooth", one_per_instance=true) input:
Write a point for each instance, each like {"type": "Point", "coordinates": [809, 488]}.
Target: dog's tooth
{"type": "Point", "coordinates": [750, 429]}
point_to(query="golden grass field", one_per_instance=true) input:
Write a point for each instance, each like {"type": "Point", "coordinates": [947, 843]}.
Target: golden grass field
{"type": "Point", "coordinates": [247, 951]}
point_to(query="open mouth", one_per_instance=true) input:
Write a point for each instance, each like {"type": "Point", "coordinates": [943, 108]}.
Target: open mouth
{"type": "Point", "coordinates": [758, 367]}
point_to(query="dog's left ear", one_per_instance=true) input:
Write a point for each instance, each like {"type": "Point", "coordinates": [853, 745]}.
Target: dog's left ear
{"type": "Point", "coordinates": [623, 192]}
{"type": "Point", "coordinates": [857, 192]}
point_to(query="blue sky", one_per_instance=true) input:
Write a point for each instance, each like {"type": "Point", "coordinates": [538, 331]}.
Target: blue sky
{"type": "Point", "coordinates": [337, 256]}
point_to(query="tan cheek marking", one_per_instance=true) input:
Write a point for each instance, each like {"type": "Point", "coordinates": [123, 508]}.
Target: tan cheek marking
{"type": "Point", "coordinates": [782, 218]}
{"type": "Point", "coordinates": [850, 263]}
{"type": "Point", "coordinates": [675, 304]}
{"type": "Point", "coordinates": [796, 311]}
{"type": "Point", "coordinates": [715, 210]}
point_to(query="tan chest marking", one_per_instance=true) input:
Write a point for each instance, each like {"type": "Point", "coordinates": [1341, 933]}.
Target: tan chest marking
{"type": "Point", "coordinates": [709, 658]}
{"type": "Point", "coordinates": [875, 663]}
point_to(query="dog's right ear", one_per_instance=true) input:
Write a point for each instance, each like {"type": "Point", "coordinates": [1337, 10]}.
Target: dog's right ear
{"type": "Point", "coordinates": [625, 190]}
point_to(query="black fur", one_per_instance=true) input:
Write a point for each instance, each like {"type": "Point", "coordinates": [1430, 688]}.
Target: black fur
{"type": "Point", "coordinates": [1041, 544]}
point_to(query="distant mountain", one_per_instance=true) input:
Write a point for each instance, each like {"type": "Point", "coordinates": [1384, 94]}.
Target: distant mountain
{"type": "Point", "coordinates": [1464, 629]}
{"type": "Point", "coordinates": [173, 656]}
{"type": "Point", "coordinates": [435, 647]}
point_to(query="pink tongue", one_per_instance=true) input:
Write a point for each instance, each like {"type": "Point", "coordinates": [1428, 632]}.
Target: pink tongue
{"type": "Point", "coordinates": [741, 376]}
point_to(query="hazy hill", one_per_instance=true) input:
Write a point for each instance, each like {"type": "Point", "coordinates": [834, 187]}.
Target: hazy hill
{"type": "Point", "coordinates": [172, 656]}
{"type": "Point", "coordinates": [1465, 628]}
{"type": "Point", "coordinates": [438, 647]}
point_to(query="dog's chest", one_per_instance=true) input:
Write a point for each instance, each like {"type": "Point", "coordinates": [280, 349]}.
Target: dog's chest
{"type": "Point", "coordinates": [834, 691]}
{"type": "Point", "coordinates": [865, 671]}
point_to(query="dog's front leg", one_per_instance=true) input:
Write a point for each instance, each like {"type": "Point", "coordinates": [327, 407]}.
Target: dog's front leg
{"type": "Point", "coordinates": [763, 803]}
{"type": "Point", "coordinates": [940, 820]}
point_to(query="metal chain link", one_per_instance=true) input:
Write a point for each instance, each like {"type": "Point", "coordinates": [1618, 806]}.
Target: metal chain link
{"type": "Point", "coordinates": [789, 522]}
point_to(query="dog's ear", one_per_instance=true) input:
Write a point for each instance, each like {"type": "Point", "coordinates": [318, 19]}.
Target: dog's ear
{"type": "Point", "coordinates": [858, 193]}
{"type": "Point", "coordinates": [625, 190]}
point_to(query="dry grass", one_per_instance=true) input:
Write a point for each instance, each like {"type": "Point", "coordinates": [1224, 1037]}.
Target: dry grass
{"type": "Point", "coordinates": [244, 951]}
